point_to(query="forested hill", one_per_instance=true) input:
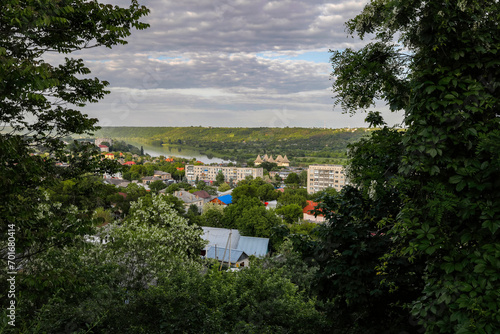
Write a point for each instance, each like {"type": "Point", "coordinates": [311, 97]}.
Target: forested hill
{"type": "Point", "coordinates": [245, 142]}
{"type": "Point", "coordinates": [194, 135]}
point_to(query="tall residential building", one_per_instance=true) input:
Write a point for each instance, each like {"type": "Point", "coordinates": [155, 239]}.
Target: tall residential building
{"type": "Point", "coordinates": [209, 173]}
{"type": "Point", "coordinates": [320, 177]}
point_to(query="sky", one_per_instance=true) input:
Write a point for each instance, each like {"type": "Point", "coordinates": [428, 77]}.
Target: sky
{"type": "Point", "coordinates": [228, 63]}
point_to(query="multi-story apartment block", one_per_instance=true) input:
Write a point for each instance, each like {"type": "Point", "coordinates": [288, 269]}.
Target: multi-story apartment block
{"type": "Point", "coordinates": [320, 177]}
{"type": "Point", "coordinates": [209, 173]}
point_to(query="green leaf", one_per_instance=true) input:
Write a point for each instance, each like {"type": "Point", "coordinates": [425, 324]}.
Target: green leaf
{"type": "Point", "coordinates": [430, 89]}
{"type": "Point", "coordinates": [480, 268]}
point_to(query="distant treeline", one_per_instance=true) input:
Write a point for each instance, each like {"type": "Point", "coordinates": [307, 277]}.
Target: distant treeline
{"type": "Point", "coordinates": [245, 143]}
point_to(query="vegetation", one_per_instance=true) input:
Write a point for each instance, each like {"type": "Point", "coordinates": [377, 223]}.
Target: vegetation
{"type": "Point", "coordinates": [439, 202]}
{"type": "Point", "coordinates": [301, 145]}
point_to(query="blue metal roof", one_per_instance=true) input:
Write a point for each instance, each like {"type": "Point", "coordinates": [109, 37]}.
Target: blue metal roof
{"type": "Point", "coordinates": [219, 236]}
{"type": "Point", "coordinates": [249, 245]}
{"type": "Point", "coordinates": [236, 255]}
{"type": "Point", "coordinates": [226, 199]}
{"type": "Point", "coordinates": [254, 246]}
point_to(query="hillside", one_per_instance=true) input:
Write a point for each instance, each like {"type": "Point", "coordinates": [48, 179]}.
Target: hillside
{"type": "Point", "coordinates": [300, 144]}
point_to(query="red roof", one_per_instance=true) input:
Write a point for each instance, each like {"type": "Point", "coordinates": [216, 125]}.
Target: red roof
{"type": "Point", "coordinates": [103, 146]}
{"type": "Point", "coordinates": [180, 168]}
{"type": "Point", "coordinates": [129, 163]}
{"type": "Point", "coordinates": [309, 209]}
{"type": "Point", "coordinates": [123, 194]}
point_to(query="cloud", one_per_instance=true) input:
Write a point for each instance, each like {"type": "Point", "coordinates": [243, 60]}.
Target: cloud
{"type": "Point", "coordinates": [226, 63]}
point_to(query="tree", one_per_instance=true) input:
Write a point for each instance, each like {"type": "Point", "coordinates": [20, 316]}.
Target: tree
{"type": "Point", "coordinates": [101, 279]}
{"type": "Point", "coordinates": [266, 192]}
{"type": "Point", "coordinates": [292, 178]}
{"type": "Point", "coordinates": [157, 185]}
{"type": "Point", "coordinates": [293, 196]}
{"type": "Point", "coordinates": [224, 187]}
{"type": "Point", "coordinates": [448, 88]}
{"type": "Point", "coordinates": [303, 178]}
{"type": "Point", "coordinates": [268, 166]}
{"type": "Point", "coordinates": [290, 213]}
{"type": "Point", "coordinates": [38, 101]}
{"type": "Point", "coordinates": [219, 179]}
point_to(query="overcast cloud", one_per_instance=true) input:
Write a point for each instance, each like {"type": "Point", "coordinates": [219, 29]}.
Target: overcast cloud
{"type": "Point", "coordinates": [227, 63]}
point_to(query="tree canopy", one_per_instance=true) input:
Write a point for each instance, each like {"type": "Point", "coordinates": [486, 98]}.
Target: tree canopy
{"type": "Point", "coordinates": [438, 62]}
{"type": "Point", "coordinates": [40, 100]}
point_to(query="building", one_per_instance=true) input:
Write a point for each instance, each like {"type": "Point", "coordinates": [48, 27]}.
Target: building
{"type": "Point", "coordinates": [223, 200]}
{"type": "Point", "coordinates": [189, 199]}
{"type": "Point", "coordinates": [162, 175]}
{"type": "Point", "coordinates": [308, 213]}
{"type": "Point", "coordinates": [209, 173]}
{"type": "Point", "coordinates": [149, 179]}
{"type": "Point", "coordinates": [227, 244]}
{"type": "Point", "coordinates": [104, 148]}
{"type": "Point", "coordinates": [99, 141]}
{"type": "Point", "coordinates": [280, 161]}
{"type": "Point", "coordinates": [320, 177]}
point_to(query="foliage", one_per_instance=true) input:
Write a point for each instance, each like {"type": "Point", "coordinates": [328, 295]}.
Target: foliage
{"type": "Point", "coordinates": [357, 279]}
{"type": "Point", "coordinates": [157, 185]}
{"type": "Point", "coordinates": [103, 217]}
{"type": "Point", "coordinates": [292, 178]}
{"type": "Point", "coordinates": [88, 281]}
{"type": "Point", "coordinates": [86, 192]}
{"type": "Point", "coordinates": [250, 301]}
{"type": "Point", "coordinates": [293, 196]}
{"type": "Point", "coordinates": [244, 144]}
{"type": "Point", "coordinates": [316, 197]}
{"type": "Point", "coordinates": [448, 89]}
{"type": "Point", "coordinates": [219, 179]}
{"type": "Point", "coordinates": [38, 101]}
{"type": "Point", "coordinates": [224, 187]}
{"type": "Point", "coordinates": [290, 213]}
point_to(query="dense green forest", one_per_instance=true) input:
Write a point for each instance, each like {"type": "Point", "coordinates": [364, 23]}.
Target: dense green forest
{"type": "Point", "coordinates": [242, 144]}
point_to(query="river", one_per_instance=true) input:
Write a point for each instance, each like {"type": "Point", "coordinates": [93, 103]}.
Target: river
{"type": "Point", "coordinates": [176, 151]}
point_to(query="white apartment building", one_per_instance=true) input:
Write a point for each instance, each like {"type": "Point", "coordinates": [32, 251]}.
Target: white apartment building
{"type": "Point", "coordinates": [320, 177]}
{"type": "Point", "coordinates": [209, 173]}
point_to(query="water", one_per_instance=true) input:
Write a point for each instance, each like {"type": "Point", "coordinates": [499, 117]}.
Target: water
{"type": "Point", "coordinates": [177, 151]}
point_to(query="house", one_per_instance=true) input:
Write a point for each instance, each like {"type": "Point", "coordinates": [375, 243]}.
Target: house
{"type": "Point", "coordinates": [203, 194]}
{"type": "Point", "coordinates": [308, 213]}
{"type": "Point", "coordinates": [280, 161]}
{"type": "Point", "coordinates": [148, 179]}
{"type": "Point", "coordinates": [129, 163]}
{"type": "Point", "coordinates": [117, 182]}
{"type": "Point", "coordinates": [109, 156]}
{"type": "Point", "coordinates": [189, 198]}
{"type": "Point", "coordinates": [223, 240]}
{"type": "Point", "coordinates": [223, 200]}
{"type": "Point", "coordinates": [104, 148]}
{"type": "Point", "coordinates": [162, 175]}
{"type": "Point", "coordinates": [234, 257]}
